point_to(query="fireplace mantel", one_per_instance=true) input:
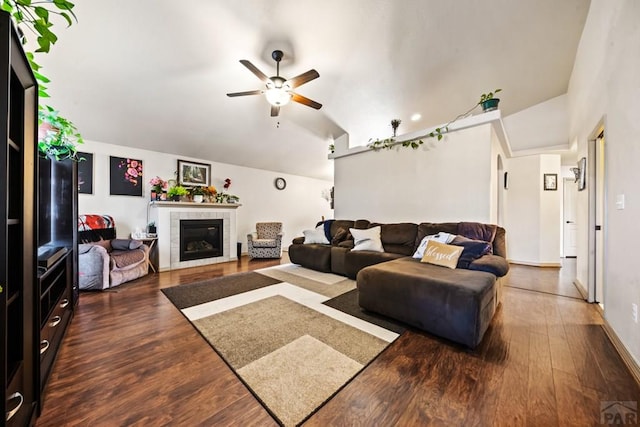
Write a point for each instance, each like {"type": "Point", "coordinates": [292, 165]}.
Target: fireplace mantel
{"type": "Point", "coordinates": [166, 204]}
{"type": "Point", "coordinates": [167, 216]}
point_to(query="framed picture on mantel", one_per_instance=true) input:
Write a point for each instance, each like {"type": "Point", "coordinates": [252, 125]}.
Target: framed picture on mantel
{"type": "Point", "coordinates": [193, 174]}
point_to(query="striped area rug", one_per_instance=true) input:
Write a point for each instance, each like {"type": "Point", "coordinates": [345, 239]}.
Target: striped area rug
{"type": "Point", "coordinates": [293, 336]}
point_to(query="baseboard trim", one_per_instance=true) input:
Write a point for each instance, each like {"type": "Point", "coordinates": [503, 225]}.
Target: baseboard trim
{"type": "Point", "coordinates": [581, 289]}
{"type": "Point", "coordinates": [536, 264]}
{"type": "Point", "coordinates": [627, 358]}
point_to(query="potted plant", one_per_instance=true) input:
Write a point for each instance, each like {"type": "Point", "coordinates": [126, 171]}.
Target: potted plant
{"type": "Point", "coordinates": [197, 193]}
{"type": "Point", "coordinates": [176, 192]}
{"type": "Point", "coordinates": [157, 186]}
{"type": "Point", "coordinates": [57, 136]}
{"type": "Point", "coordinates": [488, 102]}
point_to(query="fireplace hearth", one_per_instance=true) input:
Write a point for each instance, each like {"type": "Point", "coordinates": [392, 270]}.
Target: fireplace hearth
{"type": "Point", "coordinates": [200, 239]}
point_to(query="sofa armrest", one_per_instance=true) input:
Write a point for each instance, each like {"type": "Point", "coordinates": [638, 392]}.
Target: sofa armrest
{"type": "Point", "coordinates": [494, 264]}
{"type": "Point", "coordinates": [93, 267]}
{"type": "Point", "coordinates": [298, 240]}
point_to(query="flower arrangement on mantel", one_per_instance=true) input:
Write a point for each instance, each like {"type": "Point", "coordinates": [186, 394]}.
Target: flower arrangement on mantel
{"type": "Point", "coordinates": [226, 197]}
{"type": "Point", "coordinates": [438, 133]}
{"type": "Point", "coordinates": [158, 185]}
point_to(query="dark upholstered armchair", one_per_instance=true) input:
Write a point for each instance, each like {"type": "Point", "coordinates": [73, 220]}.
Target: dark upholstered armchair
{"type": "Point", "coordinates": [266, 241]}
{"type": "Point", "coordinates": [103, 260]}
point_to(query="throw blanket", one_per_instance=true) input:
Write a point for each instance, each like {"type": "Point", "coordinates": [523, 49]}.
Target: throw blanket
{"type": "Point", "coordinates": [478, 231]}
{"type": "Point", "coordinates": [327, 228]}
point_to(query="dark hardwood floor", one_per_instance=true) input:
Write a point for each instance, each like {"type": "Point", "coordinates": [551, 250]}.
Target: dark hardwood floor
{"type": "Point", "coordinates": [131, 359]}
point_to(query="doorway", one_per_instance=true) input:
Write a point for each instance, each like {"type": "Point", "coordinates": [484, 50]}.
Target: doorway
{"type": "Point", "coordinates": [597, 217]}
{"type": "Point", "coordinates": [569, 225]}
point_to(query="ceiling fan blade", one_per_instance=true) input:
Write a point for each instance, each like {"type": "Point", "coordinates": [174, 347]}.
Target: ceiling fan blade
{"type": "Point", "coordinates": [306, 101]}
{"type": "Point", "coordinates": [262, 76]}
{"type": "Point", "coordinates": [303, 78]}
{"type": "Point", "coordinates": [275, 110]}
{"type": "Point", "coordinates": [249, 92]}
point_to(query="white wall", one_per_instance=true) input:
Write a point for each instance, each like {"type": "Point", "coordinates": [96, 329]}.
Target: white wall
{"type": "Point", "coordinates": [605, 83]}
{"type": "Point", "coordinates": [447, 180]}
{"type": "Point", "coordinates": [299, 206]}
{"type": "Point", "coordinates": [534, 215]}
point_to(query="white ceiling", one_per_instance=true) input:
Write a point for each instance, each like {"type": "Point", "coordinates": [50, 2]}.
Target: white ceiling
{"type": "Point", "coordinates": [154, 74]}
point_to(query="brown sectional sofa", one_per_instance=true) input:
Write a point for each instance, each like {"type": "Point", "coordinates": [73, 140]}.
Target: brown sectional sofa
{"type": "Point", "coordinates": [455, 304]}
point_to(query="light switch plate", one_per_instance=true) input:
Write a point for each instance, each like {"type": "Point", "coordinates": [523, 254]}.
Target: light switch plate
{"type": "Point", "coordinates": [620, 201]}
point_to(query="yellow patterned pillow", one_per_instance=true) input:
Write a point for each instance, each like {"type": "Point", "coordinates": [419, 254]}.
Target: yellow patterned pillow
{"type": "Point", "coordinates": [442, 254]}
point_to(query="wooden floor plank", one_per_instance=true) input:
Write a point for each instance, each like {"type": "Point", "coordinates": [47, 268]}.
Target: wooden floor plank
{"type": "Point", "coordinates": [130, 358]}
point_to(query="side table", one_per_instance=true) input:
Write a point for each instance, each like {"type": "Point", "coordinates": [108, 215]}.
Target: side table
{"type": "Point", "coordinates": [153, 251]}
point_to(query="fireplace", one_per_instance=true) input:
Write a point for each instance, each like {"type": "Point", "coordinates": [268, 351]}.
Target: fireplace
{"type": "Point", "coordinates": [200, 238]}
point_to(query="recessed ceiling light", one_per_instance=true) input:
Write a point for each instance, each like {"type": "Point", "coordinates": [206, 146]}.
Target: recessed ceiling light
{"type": "Point", "coordinates": [415, 117]}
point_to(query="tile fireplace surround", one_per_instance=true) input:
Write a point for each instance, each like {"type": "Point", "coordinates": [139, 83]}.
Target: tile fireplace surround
{"type": "Point", "coordinates": [167, 216]}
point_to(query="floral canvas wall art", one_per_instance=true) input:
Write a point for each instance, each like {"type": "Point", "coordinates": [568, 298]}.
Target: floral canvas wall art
{"type": "Point", "coordinates": [125, 176]}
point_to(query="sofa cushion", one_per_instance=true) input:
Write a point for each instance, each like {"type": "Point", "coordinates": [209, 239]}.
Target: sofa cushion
{"type": "Point", "coordinates": [264, 243]}
{"type": "Point", "coordinates": [398, 238]}
{"type": "Point", "coordinates": [314, 256]}
{"type": "Point", "coordinates": [357, 260]}
{"type": "Point", "coordinates": [473, 249]}
{"type": "Point", "coordinates": [367, 240]}
{"type": "Point", "coordinates": [441, 254]}
{"type": "Point", "coordinates": [126, 258]}
{"type": "Point", "coordinates": [477, 231]}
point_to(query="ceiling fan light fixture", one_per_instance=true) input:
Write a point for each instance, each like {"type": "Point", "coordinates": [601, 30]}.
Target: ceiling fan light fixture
{"type": "Point", "coordinates": [278, 96]}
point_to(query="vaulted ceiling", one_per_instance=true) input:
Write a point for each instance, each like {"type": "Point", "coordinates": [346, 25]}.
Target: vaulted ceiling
{"type": "Point", "coordinates": [154, 74]}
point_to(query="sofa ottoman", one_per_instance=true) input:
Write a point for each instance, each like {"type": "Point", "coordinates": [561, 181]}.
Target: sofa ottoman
{"type": "Point", "coordinates": [455, 304]}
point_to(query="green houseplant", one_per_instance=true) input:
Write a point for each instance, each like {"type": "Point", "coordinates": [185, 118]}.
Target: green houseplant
{"type": "Point", "coordinates": [176, 192]}
{"type": "Point", "coordinates": [488, 101]}
{"type": "Point", "coordinates": [57, 136]}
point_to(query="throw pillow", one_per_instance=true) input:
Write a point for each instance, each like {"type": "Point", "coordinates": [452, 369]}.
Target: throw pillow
{"type": "Point", "coordinates": [441, 254]}
{"type": "Point", "coordinates": [367, 240]}
{"type": "Point", "coordinates": [315, 236]}
{"type": "Point", "coordinates": [125, 244]}
{"type": "Point", "coordinates": [341, 236]}
{"type": "Point", "coordinates": [441, 237]}
{"type": "Point", "coordinates": [473, 249]}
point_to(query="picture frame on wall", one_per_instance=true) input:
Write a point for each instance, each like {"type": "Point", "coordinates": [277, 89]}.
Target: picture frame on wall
{"type": "Point", "coordinates": [125, 176]}
{"type": "Point", "coordinates": [194, 174]}
{"type": "Point", "coordinates": [85, 173]}
{"type": "Point", "coordinates": [550, 181]}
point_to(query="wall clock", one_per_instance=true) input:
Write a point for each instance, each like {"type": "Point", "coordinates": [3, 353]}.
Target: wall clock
{"type": "Point", "coordinates": [280, 183]}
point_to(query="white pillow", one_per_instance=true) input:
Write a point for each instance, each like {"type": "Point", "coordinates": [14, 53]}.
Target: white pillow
{"type": "Point", "coordinates": [367, 240]}
{"type": "Point", "coordinates": [315, 236]}
{"type": "Point", "coordinates": [441, 237]}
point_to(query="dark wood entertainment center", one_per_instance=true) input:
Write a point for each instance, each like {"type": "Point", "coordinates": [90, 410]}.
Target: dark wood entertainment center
{"type": "Point", "coordinates": [38, 241]}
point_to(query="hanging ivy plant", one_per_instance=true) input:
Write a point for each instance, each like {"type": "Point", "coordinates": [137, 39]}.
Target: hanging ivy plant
{"type": "Point", "coordinates": [438, 133]}
{"type": "Point", "coordinates": [59, 136]}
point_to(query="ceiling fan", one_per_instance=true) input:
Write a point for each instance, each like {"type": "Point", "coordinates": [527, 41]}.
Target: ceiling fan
{"type": "Point", "coordinates": [279, 90]}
